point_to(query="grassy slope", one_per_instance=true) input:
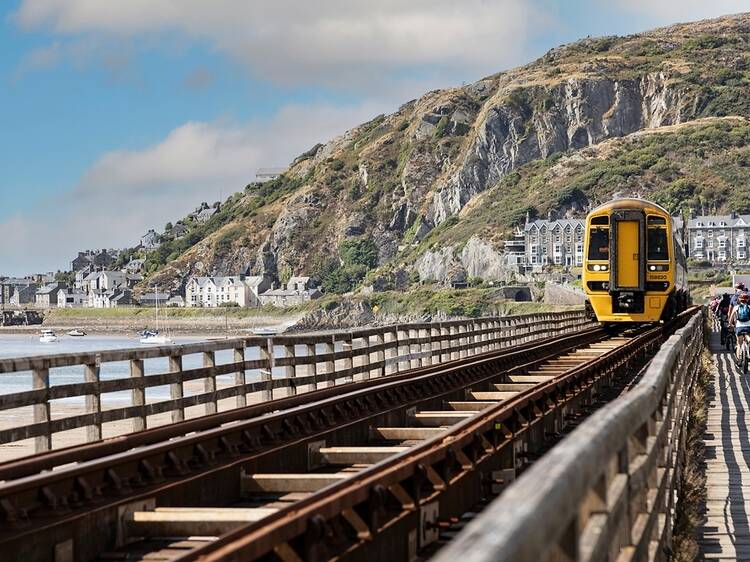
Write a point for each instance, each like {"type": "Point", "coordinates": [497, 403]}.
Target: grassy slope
{"type": "Point", "coordinates": [709, 62]}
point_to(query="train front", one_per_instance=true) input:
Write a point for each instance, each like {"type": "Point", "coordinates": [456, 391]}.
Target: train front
{"type": "Point", "coordinates": [629, 266]}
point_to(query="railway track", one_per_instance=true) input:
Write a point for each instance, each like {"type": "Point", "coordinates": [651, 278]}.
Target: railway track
{"type": "Point", "coordinates": [373, 472]}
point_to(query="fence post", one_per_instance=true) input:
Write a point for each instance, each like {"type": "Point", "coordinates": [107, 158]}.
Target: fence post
{"type": "Point", "coordinates": [40, 380]}
{"type": "Point", "coordinates": [266, 374]}
{"type": "Point", "coordinates": [209, 383]}
{"type": "Point", "coordinates": [329, 349]}
{"type": "Point", "coordinates": [348, 345]}
{"type": "Point", "coordinates": [290, 371]}
{"type": "Point", "coordinates": [365, 357]}
{"type": "Point", "coordinates": [175, 389]}
{"type": "Point", "coordinates": [312, 368]}
{"type": "Point", "coordinates": [392, 352]}
{"type": "Point", "coordinates": [414, 348]}
{"type": "Point", "coordinates": [94, 401]}
{"type": "Point", "coordinates": [238, 354]}
{"type": "Point", "coordinates": [138, 394]}
{"type": "Point", "coordinates": [380, 354]}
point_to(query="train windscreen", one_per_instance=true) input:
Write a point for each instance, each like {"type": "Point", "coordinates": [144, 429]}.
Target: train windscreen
{"type": "Point", "coordinates": [598, 244]}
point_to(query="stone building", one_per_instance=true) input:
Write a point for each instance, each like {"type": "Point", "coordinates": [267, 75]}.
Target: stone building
{"type": "Point", "coordinates": [554, 242]}
{"type": "Point", "coordinates": [719, 238]}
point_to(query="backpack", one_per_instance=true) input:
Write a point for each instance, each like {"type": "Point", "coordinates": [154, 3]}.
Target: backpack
{"type": "Point", "coordinates": [743, 312]}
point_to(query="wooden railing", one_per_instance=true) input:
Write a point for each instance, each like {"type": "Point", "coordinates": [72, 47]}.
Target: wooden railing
{"type": "Point", "coordinates": [607, 491]}
{"type": "Point", "coordinates": [255, 369]}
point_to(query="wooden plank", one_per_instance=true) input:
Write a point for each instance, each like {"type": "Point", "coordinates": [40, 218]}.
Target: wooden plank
{"type": "Point", "coordinates": [405, 433]}
{"type": "Point", "coordinates": [473, 405]}
{"type": "Point", "coordinates": [277, 483]}
{"type": "Point", "coordinates": [358, 455]}
{"type": "Point", "coordinates": [497, 395]}
{"type": "Point", "coordinates": [439, 418]}
{"type": "Point", "coordinates": [182, 522]}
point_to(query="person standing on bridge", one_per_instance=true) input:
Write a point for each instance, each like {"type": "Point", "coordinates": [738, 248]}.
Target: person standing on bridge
{"type": "Point", "coordinates": [740, 318]}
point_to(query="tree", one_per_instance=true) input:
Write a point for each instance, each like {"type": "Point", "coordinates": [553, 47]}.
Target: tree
{"type": "Point", "coordinates": [168, 227]}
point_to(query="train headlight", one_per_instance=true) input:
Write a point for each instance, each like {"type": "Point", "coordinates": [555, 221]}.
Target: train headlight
{"type": "Point", "coordinates": [597, 267]}
{"type": "Point", "coordinates": [652, 267]}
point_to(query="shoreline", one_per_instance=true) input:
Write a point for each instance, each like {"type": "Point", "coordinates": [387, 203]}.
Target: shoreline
{"type": "Point", "coordinates": [211, 326]}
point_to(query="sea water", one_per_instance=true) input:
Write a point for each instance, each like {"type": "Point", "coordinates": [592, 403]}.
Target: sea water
{"type": "Point", "coordinates": [25, 345]}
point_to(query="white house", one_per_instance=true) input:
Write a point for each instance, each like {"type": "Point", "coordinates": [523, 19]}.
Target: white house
{"type": "Point", "coordinates": [217, 291]}
{"type": "Point", "coordinates": [71, 298]}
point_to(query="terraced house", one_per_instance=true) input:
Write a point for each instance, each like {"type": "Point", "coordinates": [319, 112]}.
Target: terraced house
{"type": "Point", "coordinates": [719, 238]}
{"type": "Point", "coordinates": [217, 291]}
{"type": "Point", "coordinates": [553, 242]}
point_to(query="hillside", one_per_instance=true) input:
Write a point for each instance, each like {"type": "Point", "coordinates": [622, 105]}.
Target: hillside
{"type": "Point", "coordinates": [437, 184]}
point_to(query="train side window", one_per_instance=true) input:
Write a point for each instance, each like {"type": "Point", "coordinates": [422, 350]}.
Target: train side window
{"type": "Point", "coordinates": [656, 244]}
{"type": "Point", "coordinates": [598, 244]}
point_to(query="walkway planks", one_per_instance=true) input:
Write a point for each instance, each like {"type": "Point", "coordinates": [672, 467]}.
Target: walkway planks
{"type": "Point", "coordinates": [725, 534]}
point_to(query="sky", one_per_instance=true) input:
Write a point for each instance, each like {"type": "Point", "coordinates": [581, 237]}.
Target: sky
{"type": "Point", "coordinates": [116, 117]}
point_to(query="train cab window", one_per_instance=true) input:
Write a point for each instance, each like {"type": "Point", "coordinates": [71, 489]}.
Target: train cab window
{"type": "Point", "coordinates": [603, 220]}
{"type": "Point", "coordinates": [598, 244]}
{"type": "Point", "coordinates": [656, 244]}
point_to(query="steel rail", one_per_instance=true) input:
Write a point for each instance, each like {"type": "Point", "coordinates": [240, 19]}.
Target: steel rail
{"type": "Point", "coordinates": [465, 446]}
{"type": "Point", "coordinates": [35, 464]}
{"type": "Point", "coordinates": [309, 517]}
{"type": "Point", "coordinates": [68, 494]}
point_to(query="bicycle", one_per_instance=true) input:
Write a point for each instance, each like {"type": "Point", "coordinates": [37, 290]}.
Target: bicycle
{"type": "Point", "coordinates": [744, 354]}
{"type": "Point", "coordinates": [724, 331]}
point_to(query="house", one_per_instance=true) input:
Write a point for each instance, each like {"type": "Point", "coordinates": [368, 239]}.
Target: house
{"type": "Point", "coordinates": [176, 300]}
{"type": "Point", "coordinates": [132, 279]}
{"type": "Point", "coordinates": [112, 298]}
{"type": "Point", "coordinates": [719, 238]}
{"type": "Point", "coordinates": [9, 285]}
{"type": "Point", "coordinates": [71, 298]}
{"type": "Point", "coordinates": [298, 291]}
{"type": "Point", "coordinates": [24, 294]}
{"type": "Point", "coordinates": [217, 291]}
{"type": "Point", "coordinates": [134, 266]}
{"type": "Point", "coordinates": [46, 296]}
{"type": "Point", "coordinates": [150, 240]}
{"type": "Point", "coordinates": [108, 280]}
{"type": "Point", "coordinates": [97, 259]}
{"type": "Point", "coordinates": [206, 214]}
{"type": "Point", "coordinates": [151, 299]}
{"type": "Point", "coordinates": [179, 230]}
{"type": "Point", "coordinates": [554, 242]}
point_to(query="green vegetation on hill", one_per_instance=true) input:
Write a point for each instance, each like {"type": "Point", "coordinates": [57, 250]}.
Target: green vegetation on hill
{"type": "Point", "coordinates": [702, 164]}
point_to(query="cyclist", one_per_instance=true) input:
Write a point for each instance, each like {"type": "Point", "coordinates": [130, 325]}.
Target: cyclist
{"type": "Point", "coordinates": [739, 288]}
{"type": "Point", "coordinates": [722, 311]}
{"type": "Point", "coordinates": [740, 318]}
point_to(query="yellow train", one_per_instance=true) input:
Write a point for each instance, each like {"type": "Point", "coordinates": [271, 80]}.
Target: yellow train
{"type": "Point", "coordinates": [634, 266]}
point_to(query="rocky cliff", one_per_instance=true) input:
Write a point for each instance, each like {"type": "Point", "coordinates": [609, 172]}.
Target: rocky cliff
{"type": "Point", "coordinates": [437, 184]}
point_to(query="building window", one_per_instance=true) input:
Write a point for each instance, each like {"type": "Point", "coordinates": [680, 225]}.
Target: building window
{"type": "Point", "coordinates": [722, 243]}
{"type": "Point", "coordinates": [741, 242]}
{"type": "Point", "coordinates": [710, 233]}
{"type": "Point", "coordinates": [699, 243]}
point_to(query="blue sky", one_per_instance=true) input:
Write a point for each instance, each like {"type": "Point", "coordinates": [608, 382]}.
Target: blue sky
{"type": "Point", "coordinates": [117, 116]}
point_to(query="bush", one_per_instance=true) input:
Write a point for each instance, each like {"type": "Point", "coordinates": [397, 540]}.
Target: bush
{"type": "Point", "coordinates": [343, 279]}
{"type": "Point", "coordinates": [361, 252]}
{"type": "Point", "coordinates": [230, 304]}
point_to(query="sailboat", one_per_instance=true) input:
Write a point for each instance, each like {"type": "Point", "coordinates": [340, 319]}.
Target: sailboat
{"type": "Point", "coordinates": [155, 338]}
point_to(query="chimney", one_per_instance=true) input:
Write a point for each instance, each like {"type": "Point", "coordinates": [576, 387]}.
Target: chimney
{"type": "Point", "coordinates": [549, 215]}
{"type": "Point", "coordinates": [733, 214]}
{"type": "Point", "coordinates": [528, 216]}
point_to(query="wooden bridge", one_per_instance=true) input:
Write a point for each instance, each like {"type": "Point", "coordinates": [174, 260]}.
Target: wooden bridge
{"type": "Point", "coordinates": [446, 441]}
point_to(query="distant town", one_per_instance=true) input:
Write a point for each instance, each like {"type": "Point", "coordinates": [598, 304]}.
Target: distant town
{"type": "Point", "coordinates": [102, 279]}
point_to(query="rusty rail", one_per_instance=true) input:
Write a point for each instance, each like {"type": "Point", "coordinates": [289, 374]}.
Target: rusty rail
{"type": "Point", "coordinates": [611, 484]}
{"type": "Point", "coordinates": [263, 369]}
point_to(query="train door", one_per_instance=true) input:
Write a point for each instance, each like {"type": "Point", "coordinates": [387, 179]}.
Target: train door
{"type": "Point", "coordinates": [627, 261]}
{"type": "Point", "coordinates": [627, 253]}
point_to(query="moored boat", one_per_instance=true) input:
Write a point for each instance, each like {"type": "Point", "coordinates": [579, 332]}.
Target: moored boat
{"type": "Point", "coordinates": [48, 336]}
{"type": "Point", "coordinates": [76, 333]}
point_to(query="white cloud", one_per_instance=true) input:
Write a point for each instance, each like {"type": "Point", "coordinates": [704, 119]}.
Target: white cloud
{"type": "Point", "coordinates": [345, 43]}
{"type": "Point", "coordinates": [126, 192]}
